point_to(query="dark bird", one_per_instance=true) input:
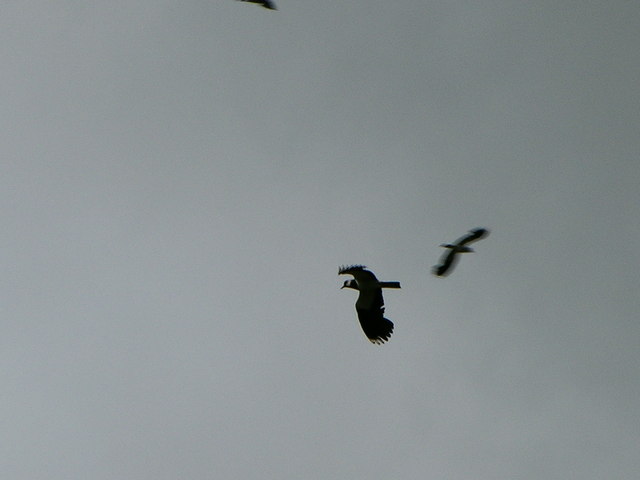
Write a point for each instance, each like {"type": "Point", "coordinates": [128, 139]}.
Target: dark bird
{"type": "Point", "coordinates": [370, 304]}
{"type": "Point", "coordinates": [265, 3]}
{"type": "Point", "coordinates": [450, 256]}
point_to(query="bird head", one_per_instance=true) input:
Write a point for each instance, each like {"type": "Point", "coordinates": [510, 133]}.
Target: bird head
{"type": "Point", "coordinates": [457, 248]}
{"type": "Point", "coordinates": [350, 284]}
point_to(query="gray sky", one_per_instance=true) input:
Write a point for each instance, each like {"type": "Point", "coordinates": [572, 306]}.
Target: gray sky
{"type": "Point", "coordinates": [180, 181]}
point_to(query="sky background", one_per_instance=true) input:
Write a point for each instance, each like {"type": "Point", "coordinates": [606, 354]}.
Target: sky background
{"type": "Point", "coordinates": [181, 180]}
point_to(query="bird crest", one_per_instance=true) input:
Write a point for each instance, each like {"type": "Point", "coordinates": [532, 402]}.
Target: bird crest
{"type": "Point", "coordinates": [346, 269]}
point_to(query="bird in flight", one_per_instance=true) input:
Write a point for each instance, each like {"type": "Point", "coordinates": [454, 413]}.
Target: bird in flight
{"type": "Point", "coordinates": [370, 304]}
{"type": "Point", "coordinates": [460, 246]}
{"type": "Point", "coordinates": [265, 3]}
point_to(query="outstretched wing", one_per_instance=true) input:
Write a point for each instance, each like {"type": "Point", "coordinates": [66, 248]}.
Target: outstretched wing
{"type": "Point", "coordinates": [472, 236]}
{"type": "Point", "coordinates": [377, 328]}
{"type": "Point", "coordinates": [446, 262]}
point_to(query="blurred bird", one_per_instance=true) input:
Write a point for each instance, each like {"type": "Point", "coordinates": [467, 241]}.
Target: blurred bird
{"type": "Point", "coordinates": [449, 257]}
{"type": "Point", "coordinates": [265, 3]}
{"type": "Point", "coordinates": [370, 304]}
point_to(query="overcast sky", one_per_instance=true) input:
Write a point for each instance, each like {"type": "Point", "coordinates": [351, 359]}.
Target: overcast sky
{"type": "Point", "coordinates": [179, 182]}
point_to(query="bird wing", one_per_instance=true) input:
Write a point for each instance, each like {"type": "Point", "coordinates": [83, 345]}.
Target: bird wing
{"type": "Point", "coordinates": [446, 262]}
{"type": "Point", "coordinates": [472, 236]}
{"type": "Point", "coordinates": [265, 3]}
{"type": "Point", "coordinates": [370, 310]}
